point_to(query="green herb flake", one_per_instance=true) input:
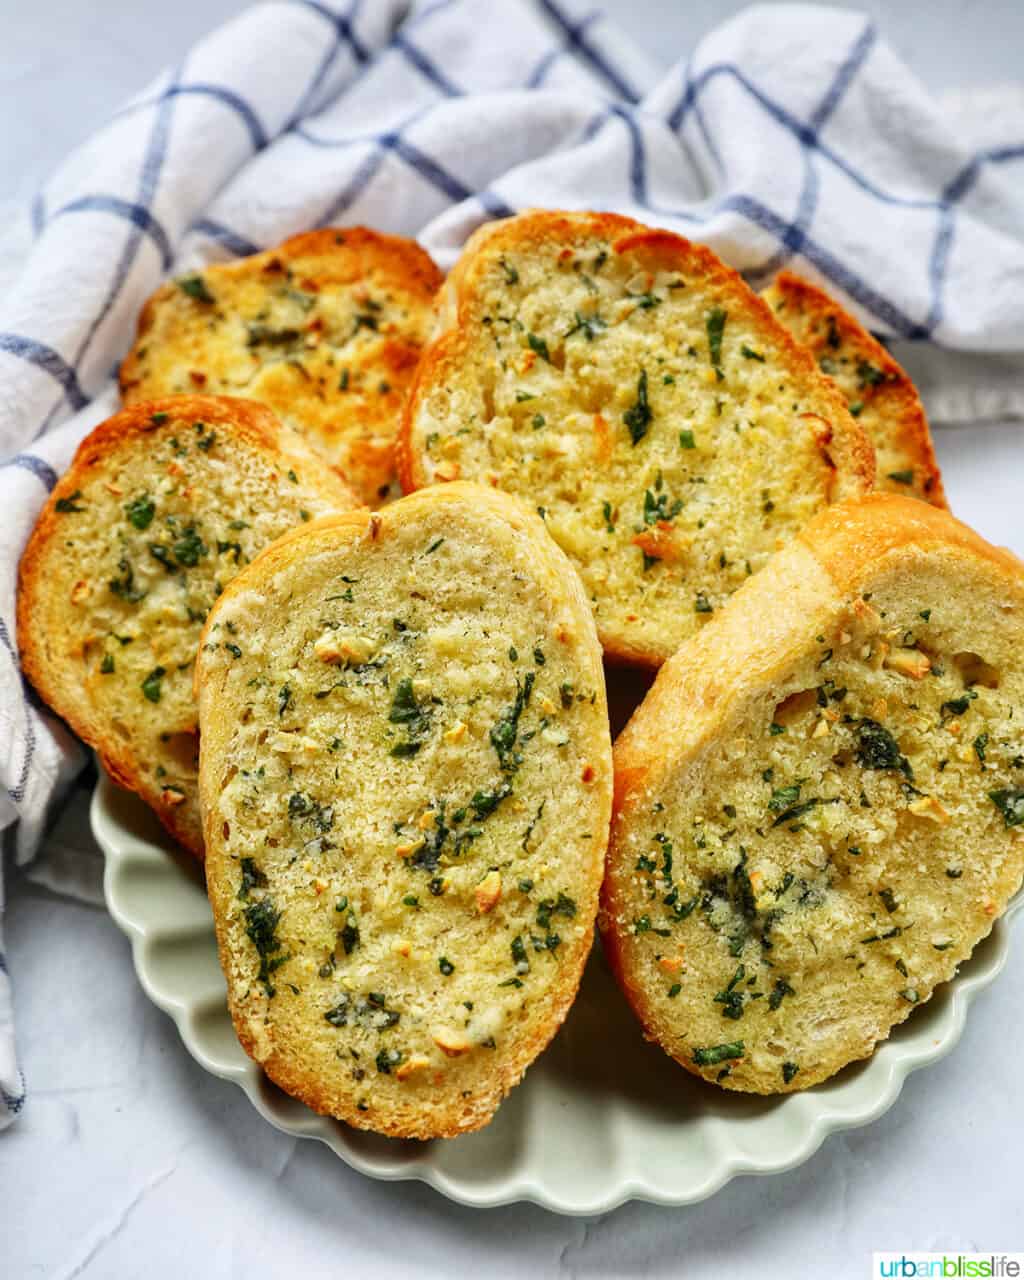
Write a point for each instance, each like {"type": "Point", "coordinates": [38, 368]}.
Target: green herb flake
{"type": "Point", "coordinates": [748, 353]}
{"type": "Point", "coordinates": [505, 731]}
{"type": "Point", "coordinates": [189, 547]}
{"type": "Point", "coordinates": [714, 323]}
{"type": "Point", "coordinates": [445, 966]}
{"type": "Point", "coordinates": [194, 287]}
{"type": "Point", "coordinates": [783, 797]}
{"type": "Point", "coordinates": [69, 504]}
{"type": "Point", "coordinates": [140, 511]}
{"type": "Point", "coordinates": [715, 1054]}
{"type": "Point", "coordinates": [868, 375]}
{"type": "Point", "coordinates": [878, 749]}
{"type": "Point", "coordinates": [107, 664]}
{"type": "Point", "coordinates": [789, 1070]}
{"type": "Point", "coordinates": [1010, 803]}
{"type": "Point", "coordinates": [388, 1058]}
{"type": "Point", "coordinates": [261, 921]}
{"type": "Point", "coordinates": [639, 417]}
{"type": "Point", "coordinates": [151, 685]}
{"type": "Point", "coordinates": [252, 878]}
{"type": "Point", "coordinates": [686, 440]}
{"type": "Point", "coordinates": [902, 477]}
{"type": "Point", "coordinates": [659, 510]}
{"type": "Point", "coordinates": [779, 993]}
{"type": "Point", "coordinates": [589, 326]}
{"type": "Point", "coordinates": [124, 586]}
{"type": "Point", "coordinates": [539, 346]}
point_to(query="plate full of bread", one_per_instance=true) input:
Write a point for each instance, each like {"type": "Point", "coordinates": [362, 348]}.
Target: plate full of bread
{"type": "Point", "coordinates": [362, 812]}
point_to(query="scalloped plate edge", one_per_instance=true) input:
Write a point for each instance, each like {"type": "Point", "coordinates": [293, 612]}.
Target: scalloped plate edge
{"type": "Point", "coordinates": [110, 834]}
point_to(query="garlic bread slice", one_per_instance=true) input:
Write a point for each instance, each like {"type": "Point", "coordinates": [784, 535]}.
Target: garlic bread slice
{"type": "Point", "coordinates": [820, 803]}
{"type": "Point", "coordinates": [631, 388]}
{"type": "Point", "coordinates": [326, 330]}
{"type": "Point", "coordinates": [406, 783]}
{"type": "Point", "coordinates": [879, 393]}
{"type": "Point", "coordinates": [163, 504]}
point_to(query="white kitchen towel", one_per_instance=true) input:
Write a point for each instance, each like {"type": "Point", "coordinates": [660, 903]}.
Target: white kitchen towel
{"type": "Point", "coordinates": [792, 135]}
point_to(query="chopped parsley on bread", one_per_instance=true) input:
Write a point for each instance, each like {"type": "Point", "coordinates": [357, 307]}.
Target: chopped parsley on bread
{"type": "Point", "coordinates": [878, 392]}
{"type": "Point", "coordinates": [819, 806]}
{"type": "Point", "coordinates": [406, 784]}
{"type": "Point", "coordinates": [632, 389]}
{"type": "Point", "coordinates": [326, 330]}
{"type": "Point", "coordinates": [163, 504]}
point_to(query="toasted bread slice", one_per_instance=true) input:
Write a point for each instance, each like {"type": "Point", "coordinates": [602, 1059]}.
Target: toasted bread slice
{"type": "Point", "coordinates": [633, 389]}
{"type": "Point", "coordinates": [820, 803]}
{"type": "Point", "coordinates": [162, 506]}
{"type": "Point", "coordinates": [878, 391]}
{"type": "Point", "coordinates": [326, 329]}
{"type": "Point", "coordinates": [406, 782]}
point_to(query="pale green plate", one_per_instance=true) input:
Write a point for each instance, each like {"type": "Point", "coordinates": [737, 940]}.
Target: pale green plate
{"type": "Point", "coordinates": [601, 1118]}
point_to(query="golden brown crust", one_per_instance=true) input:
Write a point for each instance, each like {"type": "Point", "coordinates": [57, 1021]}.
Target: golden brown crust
{"type": "Point", "coordinates": [353, 428]}
{"type": "Point", "coordinates": [751, 640]}
{"type": "Point", "coordinates": [842, 443]}
{"type": "Point", "coordinates": [246, 422]}
{"type": "Point", "coordinates": [889, 406]}
{"type": "Point", "coordinates": [839, 546]}
{"type": "Point", "coordinates": [462, 1116]}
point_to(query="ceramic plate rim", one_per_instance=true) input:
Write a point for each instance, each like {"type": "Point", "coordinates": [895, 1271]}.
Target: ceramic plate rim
{"type": "Point", "coordinates": [900, 1060]}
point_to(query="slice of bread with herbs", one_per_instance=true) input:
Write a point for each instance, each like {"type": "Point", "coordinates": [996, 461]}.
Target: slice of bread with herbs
{"type": "Point", "coordinates": [162, 505]}
{"type": "Point", "coordinates": [820, 803]}
{"type": "Point", "coordinates": [406, 784]}
{"type": "Point", "coordinates": [631, 388]}
{"type": "Point", "coordinates": [326, 330]}
{"type": "Point", "coordinates": [879, 393]}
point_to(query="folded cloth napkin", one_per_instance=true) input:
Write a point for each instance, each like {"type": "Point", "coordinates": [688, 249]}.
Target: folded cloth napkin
{"type": "Point", "coordinates": [793, 135]}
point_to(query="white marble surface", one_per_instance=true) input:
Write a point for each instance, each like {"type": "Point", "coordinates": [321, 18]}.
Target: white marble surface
{"type": "Point", "coordinates": [130, 1161]}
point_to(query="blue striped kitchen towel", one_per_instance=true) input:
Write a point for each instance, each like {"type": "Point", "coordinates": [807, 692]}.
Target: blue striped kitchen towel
{"type": "Point", "coordinates": [791, 135]}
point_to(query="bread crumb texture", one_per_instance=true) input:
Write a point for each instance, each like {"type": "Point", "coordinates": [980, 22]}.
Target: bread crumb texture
{"type": "Point", "coordinates": [632, 389]}
{"type": "Point", "coordinates": [162, 506]}
{"type": "Point", "coordinates": [406, 781]}
{"type": "Point", "coordinates": [838, 816]}
{"type": "Point", "coordinates": [878, 392]}
{"type": "Point", "coordinates": [326, 329]}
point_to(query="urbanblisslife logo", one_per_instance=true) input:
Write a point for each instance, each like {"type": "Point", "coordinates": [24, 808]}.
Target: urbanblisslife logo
{"type": "Point", "coordinates": [948, 1266]}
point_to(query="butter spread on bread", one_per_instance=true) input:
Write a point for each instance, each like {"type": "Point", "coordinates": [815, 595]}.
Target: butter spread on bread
{"type": "Point", "coordinates": [163, 504]}
{"type": "Point", "coordinates": [820, 803]}
{"type": "Point", "coordinates": [633, 390]}
{"type": "Point", "coordinates": [406, 783]}
{"type": "Point", "coordinates": [326, 329]}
